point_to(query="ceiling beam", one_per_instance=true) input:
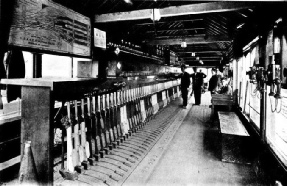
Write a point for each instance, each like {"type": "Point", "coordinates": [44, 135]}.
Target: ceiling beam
{"type": "Point", "coordinates": [201, 66]}
{"type": "Point", "coordinates": [201, 8]}
{"type": "Point", "coordinates": [175, 29]}
{"type": "Point", "coordinates": [189, 40]}
{"type": "Point", "coordinates": [163, 22]}
{"type": "Point", "coordinates": [200, 52]}
{"type": "Point", "coordinates": [202, 58]}
{"type": "Point", "coordinates": [178, 36]}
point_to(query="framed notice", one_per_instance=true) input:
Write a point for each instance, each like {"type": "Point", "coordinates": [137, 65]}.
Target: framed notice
{"type": "Point", "coordinates": [99, 38]}
{"type": "Point", "coordinates": [45, 25]}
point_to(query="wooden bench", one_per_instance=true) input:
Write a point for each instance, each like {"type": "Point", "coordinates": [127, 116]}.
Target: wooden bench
{"type": "Point", "coordinates": [235, 139]}
{"type": "Point", "coordinates": [221, 99]}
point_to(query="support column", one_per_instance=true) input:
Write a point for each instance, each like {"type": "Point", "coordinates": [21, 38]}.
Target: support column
{"type": "Point", "coordinates": [37, 65]}
{"type": "Point", "coordinates": [37, 127]}
{"type": "Point", "coordinates": [263, 103]}
{"type": "Point", "coordinates": [72, 67]}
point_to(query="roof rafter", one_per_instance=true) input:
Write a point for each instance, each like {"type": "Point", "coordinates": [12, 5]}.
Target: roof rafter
{"type": "Point", "coordinates": [203, 58]}
{"type": "Point", "coordinates": [201, 51]}
{"type": "Point", "coordinates": [189, 40]}
{"type": "Point", "coordinates": [178, 36]}
{"type": "Point", "coordinates": [201, 8]}
{"type": "Point", "coordinates": [163, 22]}
{"type": "Point", "coordinates": [176, 29]}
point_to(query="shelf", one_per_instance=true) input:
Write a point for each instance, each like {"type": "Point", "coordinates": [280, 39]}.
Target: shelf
{"type": "Point", "coordinates": [62, 88]}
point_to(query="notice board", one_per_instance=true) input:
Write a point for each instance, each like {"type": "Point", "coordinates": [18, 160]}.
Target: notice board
{"type": "Point", "coordinates": [99, 38]}
{"type": "Point", "coordinates": [45, 25]}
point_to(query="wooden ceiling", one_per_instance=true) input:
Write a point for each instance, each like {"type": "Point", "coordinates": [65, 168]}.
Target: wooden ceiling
{"type": "Point", "coordinates": [208, 28]}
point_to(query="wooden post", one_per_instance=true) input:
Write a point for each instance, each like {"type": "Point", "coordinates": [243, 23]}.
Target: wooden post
{"type": "Point", "coordinates": [72, 67]}
{"type": "Point", "coordinates": [263, 106]}
{"type": "Point", "coordinates": [240, 92]}
{"type": "Point", "coordinates": [246, 92]}
{"type": "Point", "coordinates": [263, 100]}
{"type": "Point", "coordinates": [37, 65]}
{"type": "Point", "coordinates": [37, 127]}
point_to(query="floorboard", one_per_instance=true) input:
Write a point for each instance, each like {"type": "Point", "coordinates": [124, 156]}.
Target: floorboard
{"type": "Point", "coordinates": [193, 156]}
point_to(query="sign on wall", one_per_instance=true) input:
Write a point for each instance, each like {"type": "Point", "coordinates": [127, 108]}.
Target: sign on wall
{"type": "Point", "coordinates": [99, 38]}
{"type": "Point", "coordinates": [45, 25]}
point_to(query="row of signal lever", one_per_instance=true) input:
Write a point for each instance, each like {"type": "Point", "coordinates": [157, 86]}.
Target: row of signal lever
{"type": "Point", "coordinates": [98, 123]}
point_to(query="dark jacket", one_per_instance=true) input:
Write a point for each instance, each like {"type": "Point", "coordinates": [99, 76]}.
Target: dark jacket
{"type": "Point", "coordinates": [197, 79]}
{"type": "Point", "coordinates": [214, 83]}
{"type": "Point", "coordinates": [185, 80]}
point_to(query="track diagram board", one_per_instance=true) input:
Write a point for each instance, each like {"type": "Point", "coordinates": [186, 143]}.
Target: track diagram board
{"type": "Point", "coordinates": [45, 25]}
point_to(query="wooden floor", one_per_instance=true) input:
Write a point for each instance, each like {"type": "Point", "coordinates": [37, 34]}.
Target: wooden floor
{"type": "Point", "coordinates": [193, 155]}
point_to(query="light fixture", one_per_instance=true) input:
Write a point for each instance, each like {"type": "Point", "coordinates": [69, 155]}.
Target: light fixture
{"type": "Point", "coordinates": [183, 44]}
{"type": "Point", "coordinates": [278, 20]}
{"type": "Point", "coordinates": [117, 51]}
{"type": "Point", "coordinates": [276, 45]}
{"type": "Point", "coordinates": [247, 47]}
{"type": "Point", "coordinates": [276, 39]}
{"type": "Point", "coordinates": [201, 62]}
{"type": "Point", "coordinates": [193, 54]}
{"type": "Point", "coordinates": [155, 14]}
{"type": "Point", "coordinates": [240, 25]}
{"type": "Point", "coordinates": [150, 77]}
{"type": "Point", "coordinates": [128, 1]}
{"type": "Point", "coordinates": [119, 65]}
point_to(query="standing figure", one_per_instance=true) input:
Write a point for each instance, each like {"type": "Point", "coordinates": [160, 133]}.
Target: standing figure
{"type": "Point", "coordinates": [226, 87]}
{"type": "Point", "coordinates": [214, 82]}
{"type": "Point", "coordinates": [197, 82]}
{"type": "Point", "coordinates": [185, 82]}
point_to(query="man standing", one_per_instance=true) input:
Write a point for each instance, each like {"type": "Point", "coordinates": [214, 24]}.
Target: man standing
{"type": "Point", "coordinates": [214, 82]}
{"type": "Point", "coordinates": [226, 87]}
{"type": "Point", "coordinates": [185, 82]}
{"type": "Point", "coordinates": [197, 82]}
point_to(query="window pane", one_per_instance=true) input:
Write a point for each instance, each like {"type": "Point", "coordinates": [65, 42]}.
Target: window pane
{"type": "Point", "coordinates": [254, 94]}
{"type": "Point", "coordinates": [247, 86]}
{"type": "Point", "coordinates": [75, 65]}
{"type": "Point", "coordinates": [254, 104]}
{"type": "Point", "coordinates": [276, 126]}
{"type": "Point", "coordinates": [28, 58]}
{"type": "Point", "coordinates": [56, 66]}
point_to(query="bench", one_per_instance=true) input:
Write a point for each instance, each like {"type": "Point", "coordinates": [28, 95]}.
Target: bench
{"type": "Point", "coordinates": [222, 99]}
{"type": "Point", "coordinates": [235, 139]}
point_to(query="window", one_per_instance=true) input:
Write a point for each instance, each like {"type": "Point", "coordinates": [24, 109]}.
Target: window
{"type": "Point", "coordinates": [28, 58]}
{"type": "Point", "coordinates": [249, 95]}
{"type": "Point", "coordinates": [56, 66]}
{"type": "Point", "coordinates": [250, 102]}
{"type": "Point", "coordinates": [276, 124]}
{"type": "Point", "coordinates": [254, 94]}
